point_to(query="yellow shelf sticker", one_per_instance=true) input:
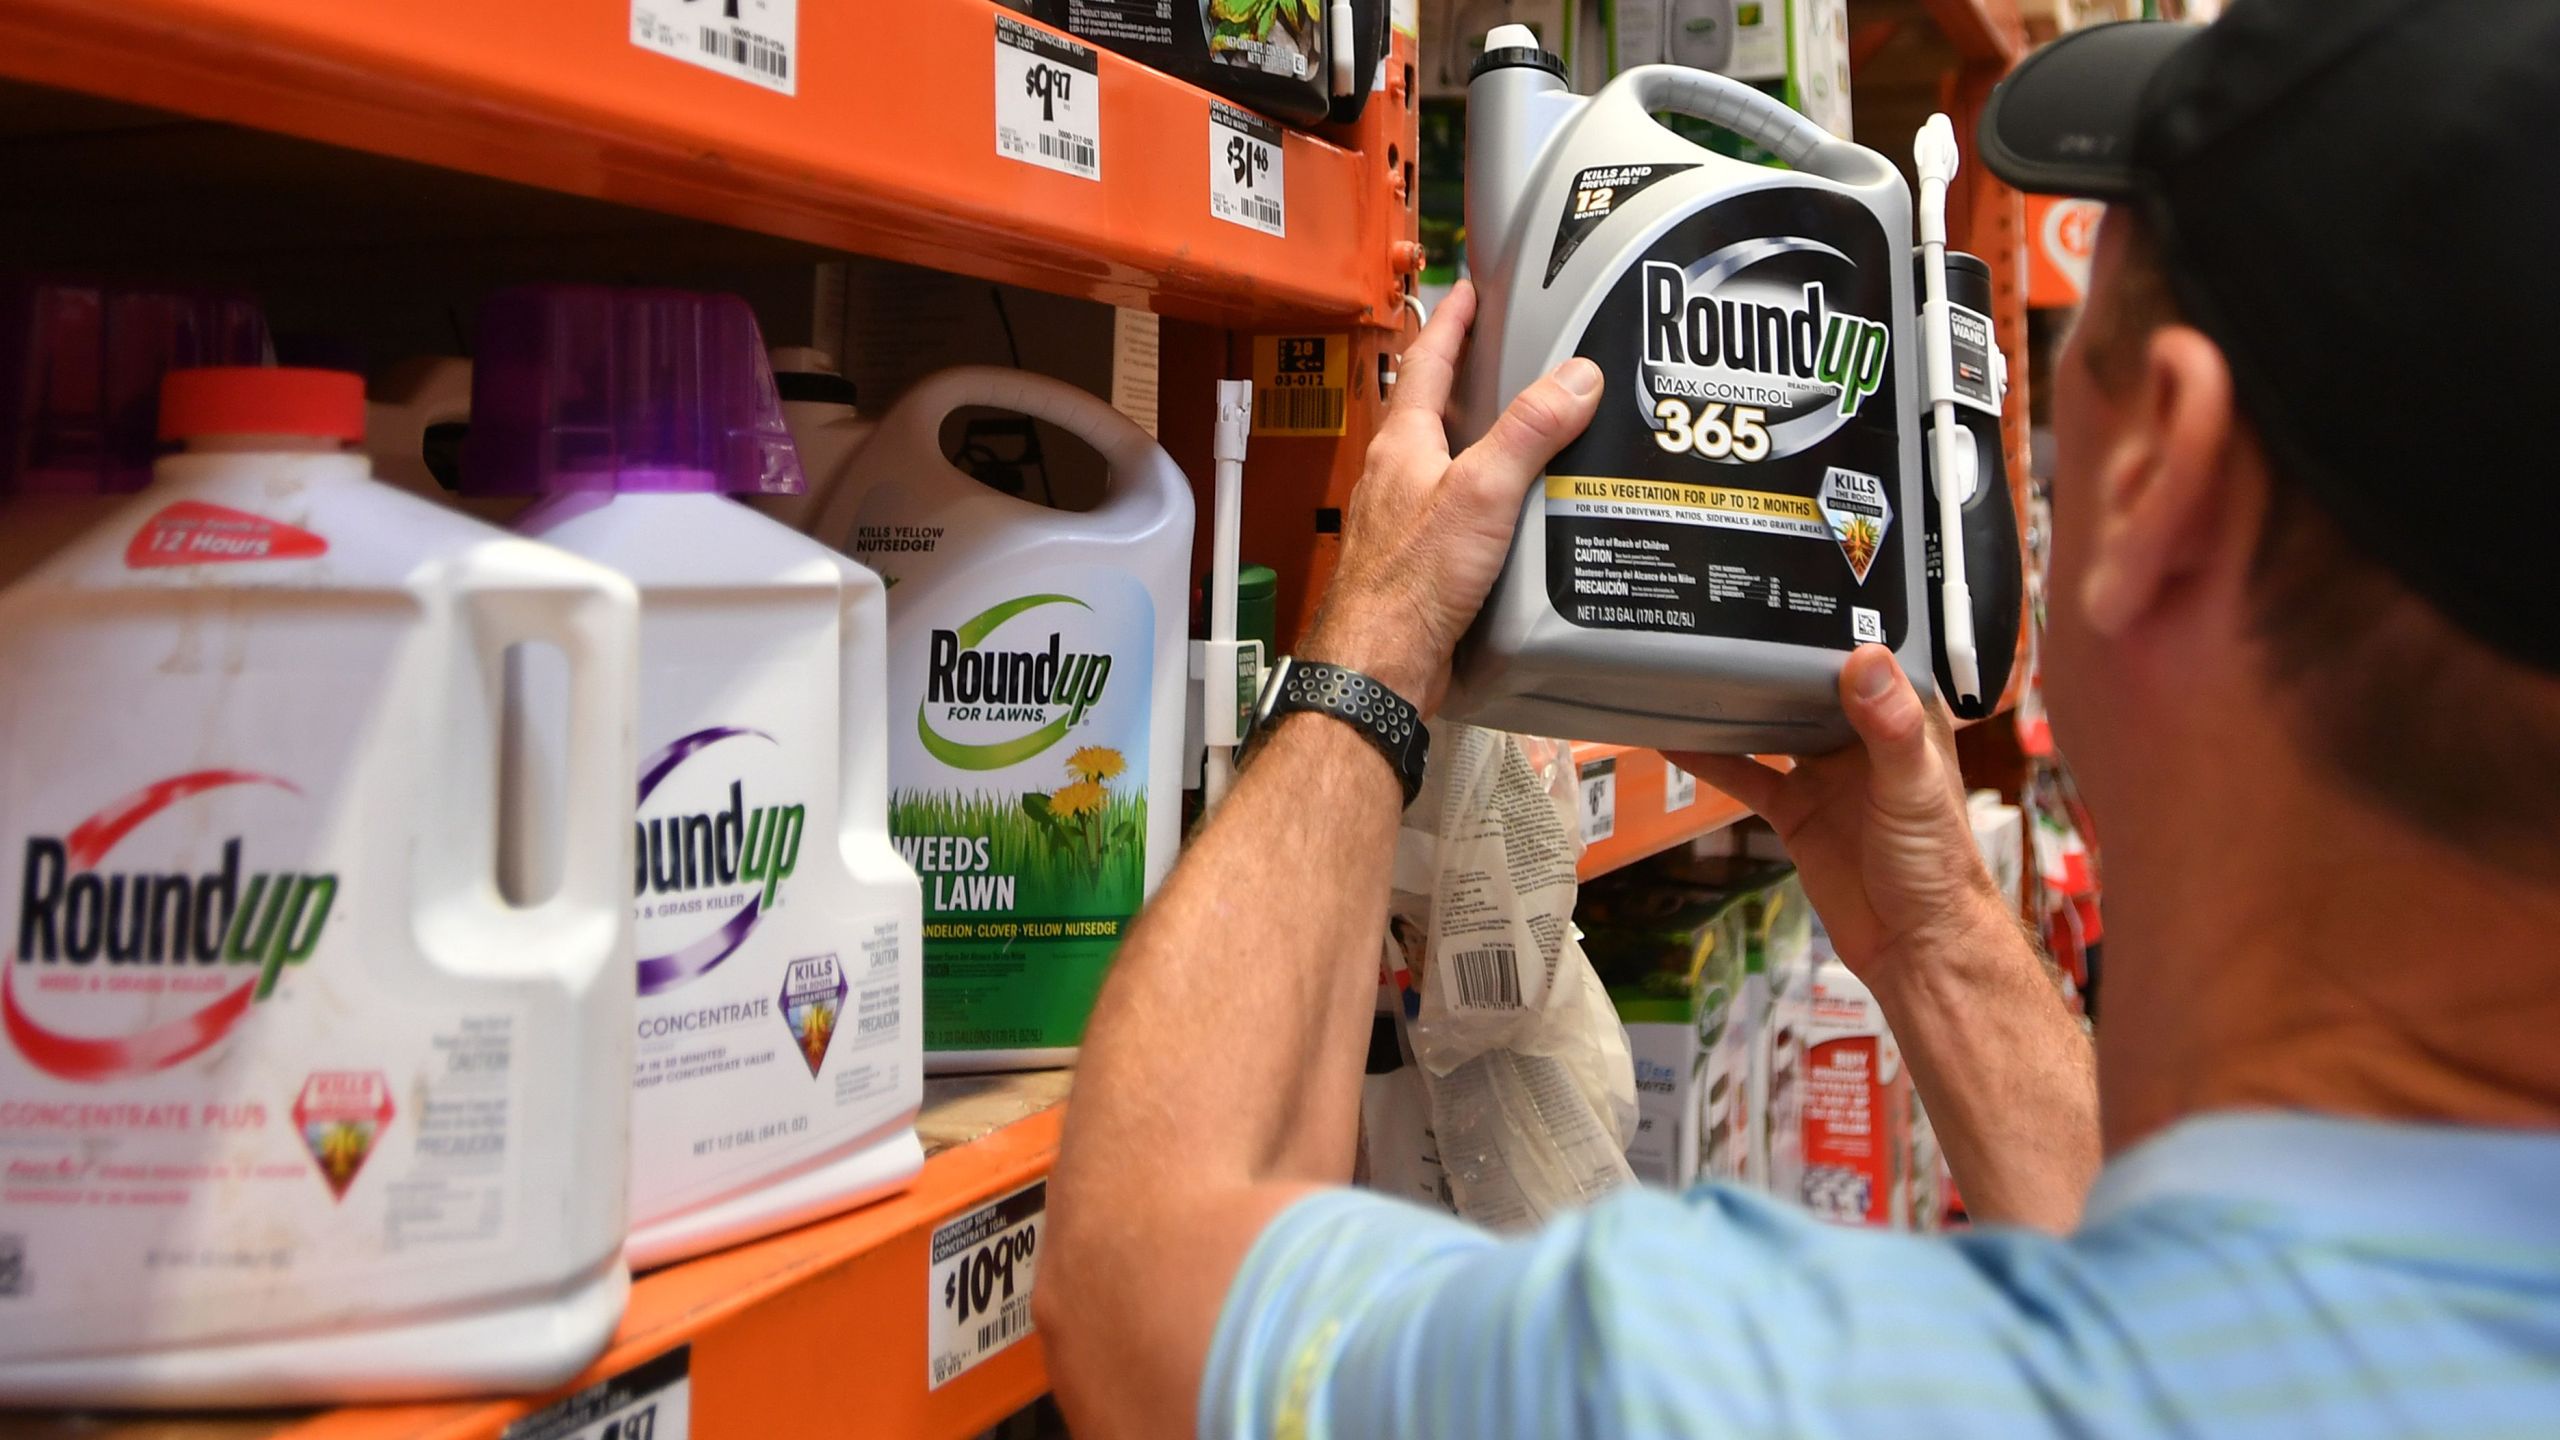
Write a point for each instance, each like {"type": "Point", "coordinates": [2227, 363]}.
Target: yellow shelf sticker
{"type": "Point", "coordinates": [1300, 383]}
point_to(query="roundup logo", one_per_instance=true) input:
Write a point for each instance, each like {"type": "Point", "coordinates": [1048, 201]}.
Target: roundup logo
{"type": "Point", "coordinates": [73, 913]}
{"type": "Point", "coordinates": [697, 861]}
{"type": "Point", "coordinates": [1048, 689]}
{"type": "Point", "coordinates": [1775, 358]}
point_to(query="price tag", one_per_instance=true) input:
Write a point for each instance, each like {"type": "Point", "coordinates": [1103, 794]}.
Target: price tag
{"type": "Point", "coordinates": [978, 1291]}
{"type": "Point", "coordinates": [1599, 799]}
{"type": "Point", "coordinates": [1245, 159]}
{"type": "Point", "coordinates": [652, 1400]}
{"type": "Point", "coordinates": [1048, 100]}
{"type": "Point", "coordinates": [1679, 788]}
{"type": "Point", "coordinates": [750, 40]}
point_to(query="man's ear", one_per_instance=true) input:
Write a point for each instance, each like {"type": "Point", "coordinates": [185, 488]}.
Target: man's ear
{"type": "Point", "coordinates": [2165, 481]}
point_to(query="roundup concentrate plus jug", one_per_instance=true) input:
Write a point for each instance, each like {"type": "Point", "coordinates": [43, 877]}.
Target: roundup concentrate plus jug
{"type": "Point", "coordinates": [296, 1106]}
{"type": "Point", "coordinates": [1746, 508]}
{"type": "Point", "coordinates": [1037, 661]}
{"type": "Point", "coordinates": [778, 1070]}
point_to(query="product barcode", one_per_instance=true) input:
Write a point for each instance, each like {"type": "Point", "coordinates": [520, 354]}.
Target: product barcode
{"type": "Point", "coordinates": [1011, 1322]}
{"type": "Point", "coordinates": [1266, 212]}
{"type": "Point", "coordinates": [1488, 979]}
{"type": "Point", "coordinates": [13, 1265]}
{"type": "Point", "coordinates": [753, 51]}
{"type": "Point", "coordinates": [1072, 149]}
{"type": "Point", "coordinates": [1297, 409]}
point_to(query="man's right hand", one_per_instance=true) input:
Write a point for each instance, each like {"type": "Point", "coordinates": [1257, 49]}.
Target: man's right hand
{"type": "Point", "coordinates": [1878, 831]}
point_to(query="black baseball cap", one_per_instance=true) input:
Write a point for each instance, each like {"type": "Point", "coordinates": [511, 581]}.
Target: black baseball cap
{"type": "Point", "coordinates": [2359, 201]}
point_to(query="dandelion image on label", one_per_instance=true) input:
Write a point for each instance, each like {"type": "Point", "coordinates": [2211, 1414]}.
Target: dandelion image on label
{"type": "Point", "coordinates": [1096, 762]}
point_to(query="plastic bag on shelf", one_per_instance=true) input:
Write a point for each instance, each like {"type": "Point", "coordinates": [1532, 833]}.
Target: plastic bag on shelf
{"type": "Point", "coordinates": [1531, 1084]}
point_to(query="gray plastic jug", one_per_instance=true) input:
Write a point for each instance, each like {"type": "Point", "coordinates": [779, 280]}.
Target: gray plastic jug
{"type": "Point", "coordinates": [1747, 507]}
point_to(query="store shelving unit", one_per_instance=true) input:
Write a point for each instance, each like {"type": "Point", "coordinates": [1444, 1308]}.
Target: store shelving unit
{"type": "Point", "coordinates": [886, 149]}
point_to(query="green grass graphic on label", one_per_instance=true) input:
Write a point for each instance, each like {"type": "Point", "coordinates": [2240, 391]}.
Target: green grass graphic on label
{"type": "Point", "coordinates": [1026, 897]}
{"type": "Point", "coordinates": [1083, 864]}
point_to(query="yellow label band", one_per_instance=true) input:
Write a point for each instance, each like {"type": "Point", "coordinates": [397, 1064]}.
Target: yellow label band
{"type": "Point", "coordinates": [1723, 499]}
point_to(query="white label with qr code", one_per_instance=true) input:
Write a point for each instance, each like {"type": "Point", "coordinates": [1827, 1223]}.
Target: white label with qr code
{"type": "Point", "coordinates": [752, 40]}
{"type": "Point", "coordinates": [1048, 100]}
{"type": "Point", "coordinates": [1245, 167]}
{"type": "Point", "coordinates": [1866, 625]}
{"type": "Point", "coordinates": [1599, 799]}
{"type": "Point", "coordinates": [978, 1291]}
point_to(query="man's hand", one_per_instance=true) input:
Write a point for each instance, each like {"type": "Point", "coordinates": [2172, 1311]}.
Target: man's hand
{"type": "Point", "coordinates": [1879, 834]}
{"type": "Point", "coordinates": [1878, 831]}
{"type": "Point", "coordinates": [1427, 534]}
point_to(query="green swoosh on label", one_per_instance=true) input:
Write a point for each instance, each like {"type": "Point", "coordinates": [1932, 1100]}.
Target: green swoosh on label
{"type": "Point", "coordinates": [973, 630]}
{"type": "Point", "coordinates": [1003, 752]}
{"type": "Point", "coordinates": [988, 757]}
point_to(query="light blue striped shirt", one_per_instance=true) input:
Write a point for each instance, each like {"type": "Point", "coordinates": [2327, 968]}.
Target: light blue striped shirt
{"type": "Point", "coordinates": [2246, 1274]}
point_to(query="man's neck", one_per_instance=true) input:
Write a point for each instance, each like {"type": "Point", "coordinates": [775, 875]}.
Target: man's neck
{"type": "Point", "coordinates": [2309, 952]}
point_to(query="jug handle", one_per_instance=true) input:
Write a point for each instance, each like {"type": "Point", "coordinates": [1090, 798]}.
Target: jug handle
{"type": "Point", "coordinates": [915, 423]}
{"type": "Point", "coordinates": [1723, 101]}
{"type": "Point", "coordinates": [597, 631]}
{"type": "Point", "coordinates": [862, 703]}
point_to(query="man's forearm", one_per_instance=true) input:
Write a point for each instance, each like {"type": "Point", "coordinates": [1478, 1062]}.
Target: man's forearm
{"type": "Point", "coordinates": [1228, 1039]}
{"type": "Point", "coordinates": [2007, 1073]}
{"type": "Point", "coordinates": [1220, 1073]}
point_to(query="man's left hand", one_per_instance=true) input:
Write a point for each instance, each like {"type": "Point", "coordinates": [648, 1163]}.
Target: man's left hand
{"type": "Point", "coordinates": [1426, 534]}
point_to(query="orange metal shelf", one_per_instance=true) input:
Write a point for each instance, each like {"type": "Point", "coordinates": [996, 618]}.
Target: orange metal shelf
{"type": "Point", "coordinates": [887, 149]}
{"type": "Point", "coordinates": [1644, 826]}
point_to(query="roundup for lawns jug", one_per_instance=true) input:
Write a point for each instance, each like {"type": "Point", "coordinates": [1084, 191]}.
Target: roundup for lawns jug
{"type": "Point", "coordinates": [779, 1066]}
{"type": "Point", "coordinates": [80, 369]}
{"type": "Point", "coordinates": [1746, 507]}
{"type": "Point", "coordinates": [296, 1106]}
{"type": "Point", "coordinates": [1036, 678]}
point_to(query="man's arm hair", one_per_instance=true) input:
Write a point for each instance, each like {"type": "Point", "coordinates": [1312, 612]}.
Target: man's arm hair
{"type": "Point", "coordinates": [1221, 1075]}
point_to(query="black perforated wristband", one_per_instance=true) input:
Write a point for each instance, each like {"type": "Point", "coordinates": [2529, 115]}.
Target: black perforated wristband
{"type": "Point", "coordinates": [1381, 716]}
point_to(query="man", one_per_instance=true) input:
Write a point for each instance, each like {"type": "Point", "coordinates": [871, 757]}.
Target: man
{"type": "Point", "coordinates": [2301, 650]}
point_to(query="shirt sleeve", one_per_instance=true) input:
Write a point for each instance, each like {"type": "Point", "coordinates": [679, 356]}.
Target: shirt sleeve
{"type": "Point", "coordinates": [1716, 1313]}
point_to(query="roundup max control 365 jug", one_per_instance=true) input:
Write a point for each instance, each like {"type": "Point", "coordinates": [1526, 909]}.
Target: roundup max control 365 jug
{"type": "Point", "coordinates": [294, 1106]}
{"type": "Point", "coordinates": [1746, 508]}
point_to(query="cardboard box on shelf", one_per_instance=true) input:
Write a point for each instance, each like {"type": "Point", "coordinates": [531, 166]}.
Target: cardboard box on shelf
{"type": "Point", "coordinates": [1690, 949]}
{"type": "Point", "coordinates": [1672, 959]}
